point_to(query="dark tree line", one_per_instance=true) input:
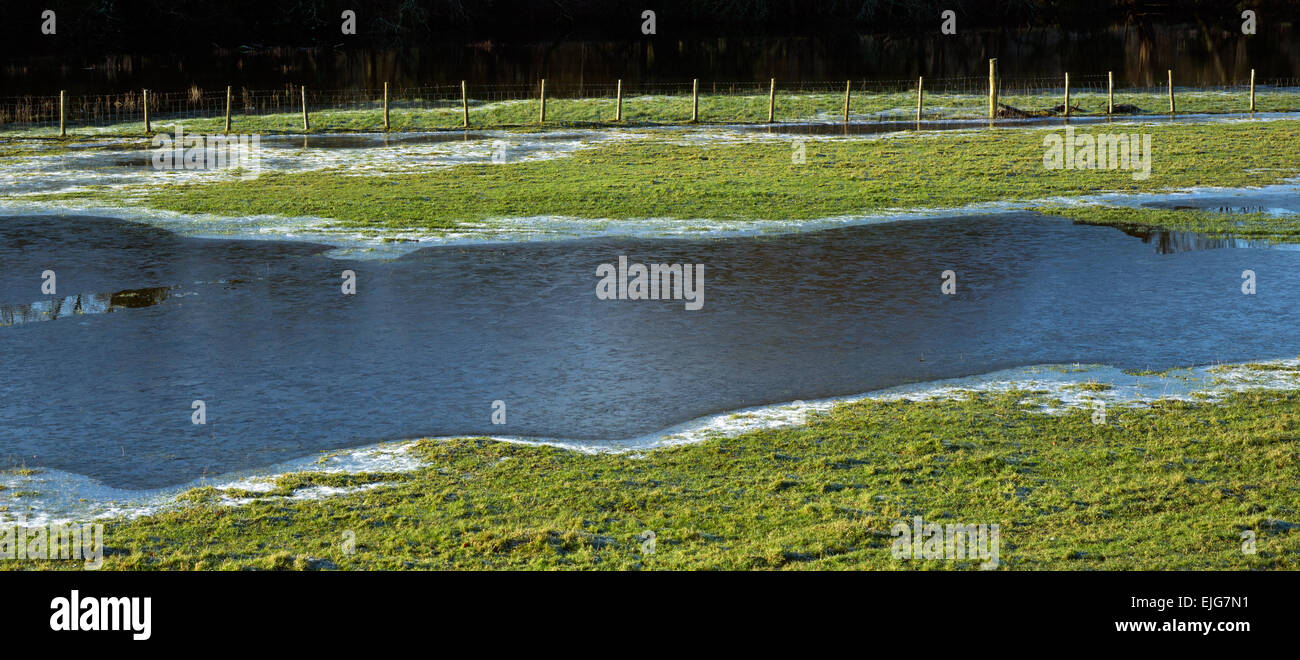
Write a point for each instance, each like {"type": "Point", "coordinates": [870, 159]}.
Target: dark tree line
{"type": "Point", "coordinates": [89, 27]}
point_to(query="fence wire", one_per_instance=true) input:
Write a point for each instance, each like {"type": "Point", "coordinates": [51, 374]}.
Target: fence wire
{"type": "Point", "coordinates": [505, 104]}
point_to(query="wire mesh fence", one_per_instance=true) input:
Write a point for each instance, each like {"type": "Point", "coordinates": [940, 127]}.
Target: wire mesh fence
{"type": "Point", "coordinates": [295, 109]}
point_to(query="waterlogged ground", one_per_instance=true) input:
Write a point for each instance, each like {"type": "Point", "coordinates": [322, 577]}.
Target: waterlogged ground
{"type": "Point", "coordinates": [1042, 394]}
{"type": "Point", "coordinates": [1168, 484]}
{"type": "Point", "coordinates": [156, 309]}
{"type": "Point", "coordinates": [288, 365]}
{"type": "Point", "coordinates": [380, 195]}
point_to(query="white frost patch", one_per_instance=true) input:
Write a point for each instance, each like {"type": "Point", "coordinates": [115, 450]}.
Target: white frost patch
{"type": "Point", "coordinates": [51, 496]}
{"type": "Point", "coordinates": [535, 228]}
{"type": "Point", "coordinates": [358, 154]}
{"type": "Point", "coordinates": [305, 494]}
{"type": "Point", "coordinates": [340, 242]}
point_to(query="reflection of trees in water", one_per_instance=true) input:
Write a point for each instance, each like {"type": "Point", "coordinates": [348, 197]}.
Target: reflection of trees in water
{"type": "Point", "coordinates": [89, 303]}
{"type": "Point", "coordinates": [1171, 242]}
{"type": "Point", "coordinates": [104, 27]}
{"type": "Point", "coordinates": [1139, 51]}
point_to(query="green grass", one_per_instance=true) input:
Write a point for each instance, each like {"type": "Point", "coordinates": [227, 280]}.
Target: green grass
{"type": "Point", "coordinates": [1256, 366]}
{"type": "Point", "coordinates": [1091, 386]}
{"type": "Point", "coordinates": [755, 181]}
{"type": "Point", "coordinates": [1169, 487]}
{"type": "Point", "coordinates": [1186, 102]}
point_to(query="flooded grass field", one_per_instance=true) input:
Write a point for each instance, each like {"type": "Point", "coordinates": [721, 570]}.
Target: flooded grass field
{"type": "Point", "coordinates": [464, 326]}
{"type": "Point", "coordinates": [176, 287]}
{"type": "Point", "coordinates": [982, 303]}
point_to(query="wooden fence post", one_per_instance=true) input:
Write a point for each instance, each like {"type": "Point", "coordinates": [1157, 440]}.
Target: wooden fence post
{"type": "Point", "coordinates": [771, 101]}
{"type": "Point", "coordinates": [305, 126]}
{"type": "Point", "coordinates": [1252, 90]}
{"type": "Point", "coordinates": [1067, 93]}
{"type": "Point", "coordinates": [993, 88]}
{"type": "Point", "coordinates": [1171, 91]}
{"type": "Point", "coordinates": [920, 96]}
{"type": "Point", "coordinates": [618, 108]}
{"type": "Point", "coordinates": [227, 108]}
{"type": "Point", "coordinates": [1110, 92]}
{"type": "Point", "coordinates": [464, 104]}
{"type": "Point", "coordinates": [385, 106]}
{"type": "Point", "coordinates": [62, 131]}
{"type": "Point", "coordinates": [848, 85]}
{"type": "Point", "coordinates": [147, 127]}
{"type": "Point", "coordinates": [695, 100]}
{"type": "Point", "coordinates": [541, 114]}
